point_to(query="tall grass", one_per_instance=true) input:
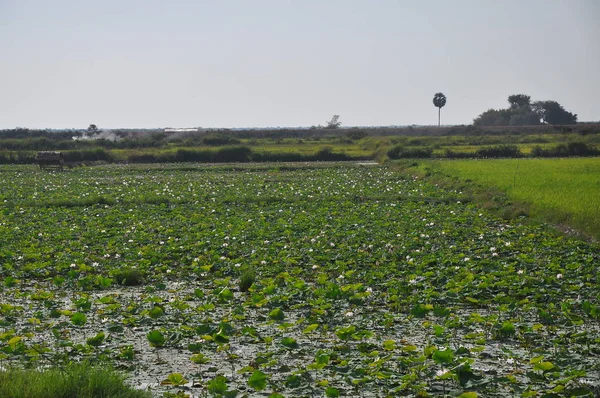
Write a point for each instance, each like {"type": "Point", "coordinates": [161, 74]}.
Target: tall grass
{"type": "Point", "coordinates": [76, 381]}
{"type": "Point", "coordinates": [559, 190]}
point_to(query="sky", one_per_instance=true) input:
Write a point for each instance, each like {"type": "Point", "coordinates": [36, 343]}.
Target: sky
{"type": "Point", "coordinates": [270, 63]}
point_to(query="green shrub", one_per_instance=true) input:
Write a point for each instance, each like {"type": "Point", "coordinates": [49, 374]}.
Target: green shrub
{"type": "Point", "coordinates": [78, 380]}
{"type": "Point", "coordinates": [401, 152]}
{"type": "Point", "coordinates": [246, 280]}
{"type": "Point", "coordinates": [128, 277]}
{"type": "Point", "coordinates": [499, 151]}
{"type": "Point", "coordinates": [575, 148]}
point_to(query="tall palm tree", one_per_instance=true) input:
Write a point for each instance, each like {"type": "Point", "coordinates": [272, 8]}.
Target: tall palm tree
{"type": "Point", "coordinates": [439, 100]}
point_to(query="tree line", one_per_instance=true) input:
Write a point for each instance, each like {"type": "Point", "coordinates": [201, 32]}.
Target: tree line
{"type": "Point", "coordinates": [523, 112]}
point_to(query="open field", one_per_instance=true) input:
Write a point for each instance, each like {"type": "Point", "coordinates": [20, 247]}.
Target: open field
{"type": "Point", "coordinates": [565, 191]}
{"type": "Point", "coordinates": [291, 280]}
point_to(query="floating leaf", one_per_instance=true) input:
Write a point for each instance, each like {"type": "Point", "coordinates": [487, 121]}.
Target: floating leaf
{"type": "Point", "coordinates": [218, 385]}
{"type": "Point", "coordinates": [289, 342]}
{"type": "Point", "coordinates": [96, 340]}
{"type": "Point", "coordinates": [199, 358]}
{"type": "Point", "coordinates": [543, 366]}
{"type": "Point", "coordinates": [443, 357]}
{"type": "Point", "coordinates": [258, 380]}
{"type": "Point", "coordinates": [277, 314]}
{"type": "Point", "coordinates": [156, 338]}
{"type": "Point", "coordinates": [156, 312]}
{"type": "Point", "coordinates": [174, 379]}
{"type": "Point", "coordinates": [78, 319]}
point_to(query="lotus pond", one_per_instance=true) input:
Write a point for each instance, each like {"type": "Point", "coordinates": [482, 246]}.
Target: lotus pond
{"type": "Point", "coordinates": [291, 280]}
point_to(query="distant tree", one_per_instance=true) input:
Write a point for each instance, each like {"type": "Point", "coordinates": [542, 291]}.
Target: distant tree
{"type": "Point", "coordinates": [334, 123]}
{"type": "Point", "coordinates": [522, 112]}
{"type": "Point", "coordinates": [517, 101]}
{"type": "Point", "coordinates": [92, 128]}
{"type": "Point", "coordinates": [439, 100]}
{"type": "Point", "coordinates": [552, 112]}
{"type": "Point", "coordinates": [524, 116]}
{"type": "Point", "coordinates": [493, 117]}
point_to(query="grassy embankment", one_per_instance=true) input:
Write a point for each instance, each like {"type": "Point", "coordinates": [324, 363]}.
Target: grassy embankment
{"type": "Point", "coordinates": [560, 191]}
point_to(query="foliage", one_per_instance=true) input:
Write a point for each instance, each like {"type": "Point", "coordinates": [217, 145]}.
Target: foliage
{"type": "Point", "coordinates": [574, 148]}
{"type": "Point", "coordinates": [128, 276]}
{"type": "Point", "coordinates": [552, 112]}
{"type": "Point", "coordinates": [400, 152]}
{"type": "Point", "coordinates": [560, 190]}
{"type": "Point", "coordinates": [439, 100]}
{"type": "Point", "coordinates": [246, 280]}
{"type": "Point", "coordinates": [334, 122]}
{"type": "Point", "coordinates": [522, 113]}
{"type": "Point", "coordinates": [77, 380]}
{"type": "Point", "coordinates": [519, 101]}
{"type": "Point", "coordinates": [499, 151]}
{"type": "Point", "coordinates": [371, 281]}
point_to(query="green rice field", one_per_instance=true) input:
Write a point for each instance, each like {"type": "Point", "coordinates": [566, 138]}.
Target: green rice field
{"type": "Point", "coordinates": [560, 190]}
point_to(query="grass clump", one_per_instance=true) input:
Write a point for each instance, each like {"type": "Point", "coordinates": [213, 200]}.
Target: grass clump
{"type": "Point", "coordinates": [246, 281]}
{"type": "Point", "coordinates": [128, 277]}
{"type": "Point", "coordinates": [76, 381]}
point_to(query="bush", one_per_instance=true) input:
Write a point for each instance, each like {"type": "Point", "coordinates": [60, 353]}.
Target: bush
{"type": "Point", "coordinates": [327, 154]}
{"type": "Point", "coordinates": [233, 154]}
{"type": "Point", "coordinates": [219, 140]}
{"type": "Point", "coordinates": [450, 154]}
{"type": "Point", "coordinates": [189, 155]}
{"type": "Point", "coordinates": [246, 281]}
{"type": "Point", "coordinates": [128, 277]}
{"type": "Point", "coordinates": [563, 150]}
{"type": "Point", "coordinates": [499, 151]}
{"type": "Point", "coordinates": [400, 152]}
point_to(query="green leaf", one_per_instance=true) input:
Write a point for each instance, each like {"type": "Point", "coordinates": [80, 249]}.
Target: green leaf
{"type": "Point", "coordinates": [293, 381]}
{"type": "Point", "coordinates": [289, 342]}
{"type": "Point", "coordinates": [277, 314]}
{"type": "Point", "coordinates": [258, 380]}
{"type": "Point", "coordinates": [199, 359]}
{"type": "Point", "coordinates": [331, 392]}
{"type": "Point", "coordinates": [389, 345]}
{"type": "Point", "coordinates": [221, 338]}
{"type": "Point", "coordinates": [174, 379]}
{"type": "Point", "coordinates": [345, 333]}
{"type": "Point", "coordinates": [310, 328]}
{"type": "Point", "coordinates": [543, 366]}
{"type": "Point", "coordinates": [78, 319]}
{"type": "Point", "coordinates": [96, 340]}
{"type": "Point", "coordinates": [226, 295]}
{"type": "Point", "coordinates": [444, 357]}
{"type": "Point", "coordinates": [218, 385]}
{"type": "Point", "coordinates": [468, 395]}
{"type": "Point", "coordinates": [156, 312]}
{"type": "Point", "coordinates": [156, 338]}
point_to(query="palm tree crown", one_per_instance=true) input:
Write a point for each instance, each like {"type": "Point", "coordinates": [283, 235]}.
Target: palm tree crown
{"type": "Point", "coordinates": [439, 100]}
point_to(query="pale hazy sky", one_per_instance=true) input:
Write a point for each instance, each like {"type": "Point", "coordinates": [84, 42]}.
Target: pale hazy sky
{"type": "Point", "coordinates": [150, 63]}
